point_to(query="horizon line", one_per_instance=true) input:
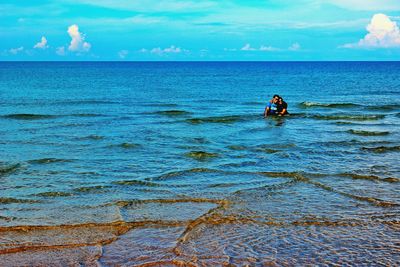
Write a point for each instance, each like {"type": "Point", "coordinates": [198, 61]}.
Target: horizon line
{"type": "Point", "coordinates": [188, 61]}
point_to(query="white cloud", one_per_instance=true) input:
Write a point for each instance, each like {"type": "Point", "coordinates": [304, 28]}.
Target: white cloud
{"type": "Point", "coordinates": [382, 33]}
{"type": "Point", "coordinates": [157, 50]}
{"type": "Point", "coordinates": [169, 50]}
{"type": "Point", "coordinates": [247, 47]}
{"type": "Point", "coordinates": [15, 51]}
{"type": "Point", "coordinates": [172, 49]}
{"type": "Point", "coordinates": [42, 44]}
{"type": "Point", "coordinates": [78, 43]}
{"type": "Point", "coordinates": [294, 47]}
{"type": "Point", "coordinates": [123, 53]}
{"type": "Point", "coordinates": [60, 51]}
{"type": "Point", "coordinates": [268, 48]}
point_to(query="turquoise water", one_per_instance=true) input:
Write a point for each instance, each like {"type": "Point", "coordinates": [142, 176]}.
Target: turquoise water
{"type": "Point", "coordinates": [180, 155]}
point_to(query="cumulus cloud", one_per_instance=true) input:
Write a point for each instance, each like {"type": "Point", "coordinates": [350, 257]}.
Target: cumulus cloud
{"type": "Point", "coordinates": [123, 53]}
{"type": "Point", "coordinates": [42, 44]}
{"type": "Point", "coordinates": [382, 33]}
{"type": "Point", "coordinates": [78, 43]}
{"type": "Point", "coordinates": [60, 51]}
{"type": "Point", "coordinates": [15, 51]}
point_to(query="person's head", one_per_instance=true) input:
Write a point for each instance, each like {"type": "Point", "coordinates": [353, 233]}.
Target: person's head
{"type": "Point", "coordinates": [275, 98]}
{"type": "Point", "coordinates": [280, 100]}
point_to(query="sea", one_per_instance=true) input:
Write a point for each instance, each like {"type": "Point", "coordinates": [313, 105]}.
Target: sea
{"type": "Point", "coordinates": [173, 164]}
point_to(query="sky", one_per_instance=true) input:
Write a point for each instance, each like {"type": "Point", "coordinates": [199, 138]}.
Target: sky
{"type": "Point", "coordinates": [207, 30]}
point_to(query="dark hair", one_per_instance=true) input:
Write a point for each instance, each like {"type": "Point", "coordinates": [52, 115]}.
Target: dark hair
{"type": "Point", "coordinates": [276, 96]}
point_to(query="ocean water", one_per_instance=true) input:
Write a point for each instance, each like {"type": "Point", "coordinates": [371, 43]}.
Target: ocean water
{"type": "Point", "coordinates": [121, 164]}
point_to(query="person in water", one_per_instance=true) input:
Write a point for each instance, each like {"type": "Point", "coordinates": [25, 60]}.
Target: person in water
{"type": "Point", "coordinates": [282, 107]}
{"type": "Point", "coordinates": [272, 106]}
{"type": "Point", "coordinates": [276, 106]}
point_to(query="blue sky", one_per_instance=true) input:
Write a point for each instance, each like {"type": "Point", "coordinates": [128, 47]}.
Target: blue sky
{"type": "Point", "coordinates": [136, 30]}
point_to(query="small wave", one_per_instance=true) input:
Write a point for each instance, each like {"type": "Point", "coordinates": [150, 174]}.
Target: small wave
{"type": "Point", "coordinates": [161, 105]}
{"type": "Point", "coordinates": [127, 145]}
{"type": "Point", "coordinates": [280, 174]}
{"type": "Point", "coordinates": [10, 200]}
{"type": "Point", "coordinates": [272, 148]}
{"type": "Point", "coordinates": [86, 115]}
{"type": "Point", "coordinates": [345, 123]}
{"type": "Point", "coordinates": [124, 203]}
{"type": "Point", "coordinates": [47, 160]}
{"type": "Point", "coordinates": [348, 117]}
{"type": "Point", "coordinates": [370, 177]}
{"type": "Point", "coordinates": [385, 107]}
{"type": "Point", "coordinates": [219, 119]}
{"type": "Point", "coordinates": [237, 147]}
{"type": "Point", "coordinates": [92, 137]}
{"type": "Point", "coordinates": [201, 155]}
{"type": "Point", "coordinates": [7, 169]}
{"type": "Point", "coordinates": [28, 116]}
{"type": "Point", "coordinates": [327, 105]}
{"type": "Point", "coordinates": [198, 140]}
{"type": "Point", "coordinates": [88, 101]}
{"type": "Point", "coordinates": [172, 113]}
{"type": "Point", "coordinates": [353, 142]}
{"type": "Point", "coordinates": [367, 133]}
{"type": "Point", "coordinates": [229, 119]}
{"type": "Point", "coordinates": [266, 150]}
{"type": "Point", "coordinates": [136, 182]}
{"type": "Point", "coordinates": [96, 188]}
{"type": "Point", "coordinates": [54, 194]}
{"type": "Point", "coordinates": [382, 149]}
{"type": "Point", "coordinates": [179, 173]}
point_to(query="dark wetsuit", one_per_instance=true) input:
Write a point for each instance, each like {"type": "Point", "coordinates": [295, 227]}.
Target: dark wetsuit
{"type": "Point", "coordinates": [282, 107]}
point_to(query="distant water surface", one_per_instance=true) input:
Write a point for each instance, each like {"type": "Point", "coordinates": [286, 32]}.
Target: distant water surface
{"type": "Point", "coordinates": [173, 163]}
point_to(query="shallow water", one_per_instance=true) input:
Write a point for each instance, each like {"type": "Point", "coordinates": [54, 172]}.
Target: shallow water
{"type": "Point", "coordinates": [173, 164]}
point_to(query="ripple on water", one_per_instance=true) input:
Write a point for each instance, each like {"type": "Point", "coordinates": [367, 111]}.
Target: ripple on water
{"type": "Point", "coordinates": [347, 117]}
{"type": "Point", "coordinates": [28, 116]}
{"type": "Point", "coordinates": [382, 149]}
{"type": "Point", "coordinates": [201, 155]}
{"type": "Point", "coordinates": [327, 105]}
{"type": "Point", "coordinates": [265, 245]}
{"type": "Point", "coordinates": [368, 133]}
{"type": "Point", "coordinates": [10, 200]}
{"type": "Point", "coordinates": [222, 119]}
{"type": "Point", "coordinates": [48, 160]}
{"type": "Point", "coordinates": [172, 113]}
{"type": "Point", "coordinates": [172, 210]}
{"type": "Point", "coordinates": [128, 145]}
{"type": "Point", "coordinates": [8, 169]}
